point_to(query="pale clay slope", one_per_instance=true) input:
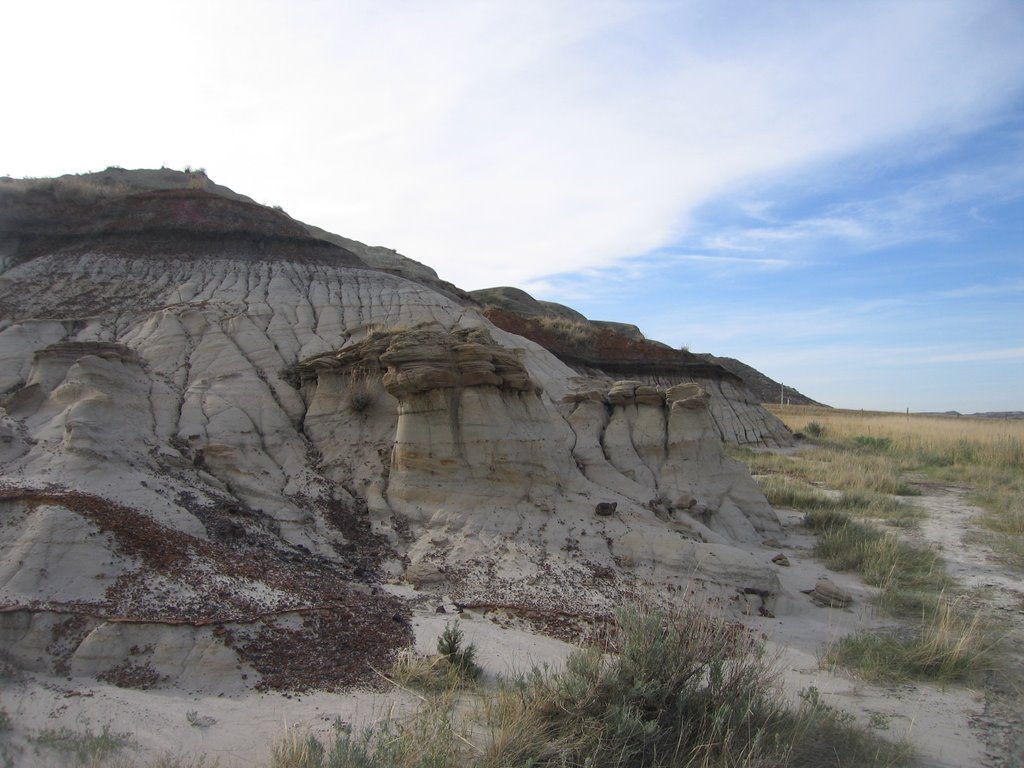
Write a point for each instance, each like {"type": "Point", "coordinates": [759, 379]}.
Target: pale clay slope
{"type": "Point", "coordinates": [187, 381]}
{"type": "Point", "coordinates": [138, 379]}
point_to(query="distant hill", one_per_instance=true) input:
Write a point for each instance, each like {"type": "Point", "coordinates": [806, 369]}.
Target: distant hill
{"type": "Point", "coordinates": [765, 389]}
{"type": "Point", "coordinates": [617, 347]}
{"type": "Point", "coordinates": [983, 415]}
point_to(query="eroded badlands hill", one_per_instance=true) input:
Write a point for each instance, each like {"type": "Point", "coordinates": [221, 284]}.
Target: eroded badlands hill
{"type": "Point", "coordinates": [223, 438]}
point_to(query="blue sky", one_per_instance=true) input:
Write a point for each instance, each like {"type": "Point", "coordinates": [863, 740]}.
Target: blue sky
{"type": "Point", "coordinates": [831, 192]}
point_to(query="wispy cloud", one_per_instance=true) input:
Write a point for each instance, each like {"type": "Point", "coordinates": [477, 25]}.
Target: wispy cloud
{"type": "Point", "coordinates": [740, 261]}
{"type": "Point", "coordinates": [813, 230]}
{"type": "Point", "coordinates": [1008, 288]}
{"type": "Point", "coordinates": [636, 275]}
{"type": "Point", "coordinates": [1015, 353]}
{"type": "Point", "coordinates": [900, 213]}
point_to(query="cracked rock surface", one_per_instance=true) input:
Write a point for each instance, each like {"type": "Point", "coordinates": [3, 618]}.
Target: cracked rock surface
{"type": "Point", "coordinates": [222, 437]}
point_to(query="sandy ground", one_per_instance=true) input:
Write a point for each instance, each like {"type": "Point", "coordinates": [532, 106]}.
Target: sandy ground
{"type": "Point", "coordinates": [952, 727]}
{"type": "Point", "coordinates": [236, 730]}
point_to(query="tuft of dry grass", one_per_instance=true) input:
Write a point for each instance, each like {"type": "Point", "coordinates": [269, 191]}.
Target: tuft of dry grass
{"type": "Point", "coordinates": [432, 674]}
{"type": "Point", "coordinates": [80, 747]}
{"type": "Point", "coordinates": [947, 645]}
{"type": "Point", "coordinates": [577, 334]}
{"type": "Point", "coordinates": [452, 667]}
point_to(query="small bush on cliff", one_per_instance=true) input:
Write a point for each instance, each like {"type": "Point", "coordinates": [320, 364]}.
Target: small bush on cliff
{"type": "Point", "coordinates": [360, 396]}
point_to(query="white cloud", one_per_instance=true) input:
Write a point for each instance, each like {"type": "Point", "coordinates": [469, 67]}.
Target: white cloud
{"type": "Point", "coordinates": [498, 142]}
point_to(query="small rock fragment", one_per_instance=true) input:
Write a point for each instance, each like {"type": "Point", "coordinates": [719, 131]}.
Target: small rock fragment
{"type": "Point", "coordinates": [423, 574]}
{"type": "Point", "coordinates": [685, 501]}
{"type": "Point", "coordinates": [826, 593]}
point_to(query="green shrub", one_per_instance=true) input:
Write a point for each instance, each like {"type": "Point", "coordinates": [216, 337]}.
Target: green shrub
{"type": "Point", "coordinates": [873, 443]}
{"type": "Point", "coordinates": [682, 689]}
{"type": "Point", "coordinates": [814, 429]}
{"type": "Point", "coordinates": [462, 658]}
{"type": "Point", "coordinates": [674, 690]}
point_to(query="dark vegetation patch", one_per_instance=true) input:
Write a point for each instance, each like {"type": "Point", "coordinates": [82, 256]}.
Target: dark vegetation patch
{"type": "Point", "coordinates": [567, 626]}
{"type": "Point", "coordinates": [330, 649]}
{"type": "Point", "coordinates": [130, 674]}
{"type": "Point", "coordinates": [363, 550]}
{"type": "Point", "coordinates": [593, 345]}
{"type": "Point", "coordinates": [65, 637]}
{"type": "Point", "coordinates": [348, 625]}
{"type": "Point", "coordinates": [70, 216]}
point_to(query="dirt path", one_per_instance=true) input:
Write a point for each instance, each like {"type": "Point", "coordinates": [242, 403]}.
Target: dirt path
{"type": "Point", "coordinates": [989, 585]}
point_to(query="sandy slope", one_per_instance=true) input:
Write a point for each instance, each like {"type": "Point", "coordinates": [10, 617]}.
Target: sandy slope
{"type": "Point", "coordinates": [952, 727]}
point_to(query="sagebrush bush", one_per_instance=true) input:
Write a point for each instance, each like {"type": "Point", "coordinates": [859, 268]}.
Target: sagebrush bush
{"type": "Point", "coordinates": [677, 690]}
{"type": "Point", "coordinates": [461, 657]}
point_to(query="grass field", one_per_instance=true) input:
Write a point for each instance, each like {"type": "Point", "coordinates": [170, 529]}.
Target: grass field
{"type": "Point", "coordinates": [924, 439]}
{"type": "Point", "coordinates": [875, 451]}
{"type": "Point", "coordinates": [856, 485]}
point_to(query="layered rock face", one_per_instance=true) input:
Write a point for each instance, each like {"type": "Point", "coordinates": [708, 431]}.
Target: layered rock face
{"type": "Point", "coordinates": [658, 439]}
{"type": "Point", "coordinates": [484, 461]}
{"type": "Point", "coordinates": [226, 444]}
{"type": "Point", "coordinates": [619, 351]}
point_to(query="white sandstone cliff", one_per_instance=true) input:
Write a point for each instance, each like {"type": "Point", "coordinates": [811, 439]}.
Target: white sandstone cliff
{"type": "Point", "coordinates": [221, 452]}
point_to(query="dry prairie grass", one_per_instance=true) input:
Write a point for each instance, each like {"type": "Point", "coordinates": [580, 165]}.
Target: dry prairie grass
{"type": "Point", "coordinates": [68, 189]}
{"type": "Point", "coordinates": [574, 333]}
{"type": "Point", "coordinates": [948, 644]}
{"type": "Point", "coordinates": [986, 455]}
{"type": "Point", "coordinates": [929, 440]}
{"type": "Point", "coordinates": [865, 460]}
